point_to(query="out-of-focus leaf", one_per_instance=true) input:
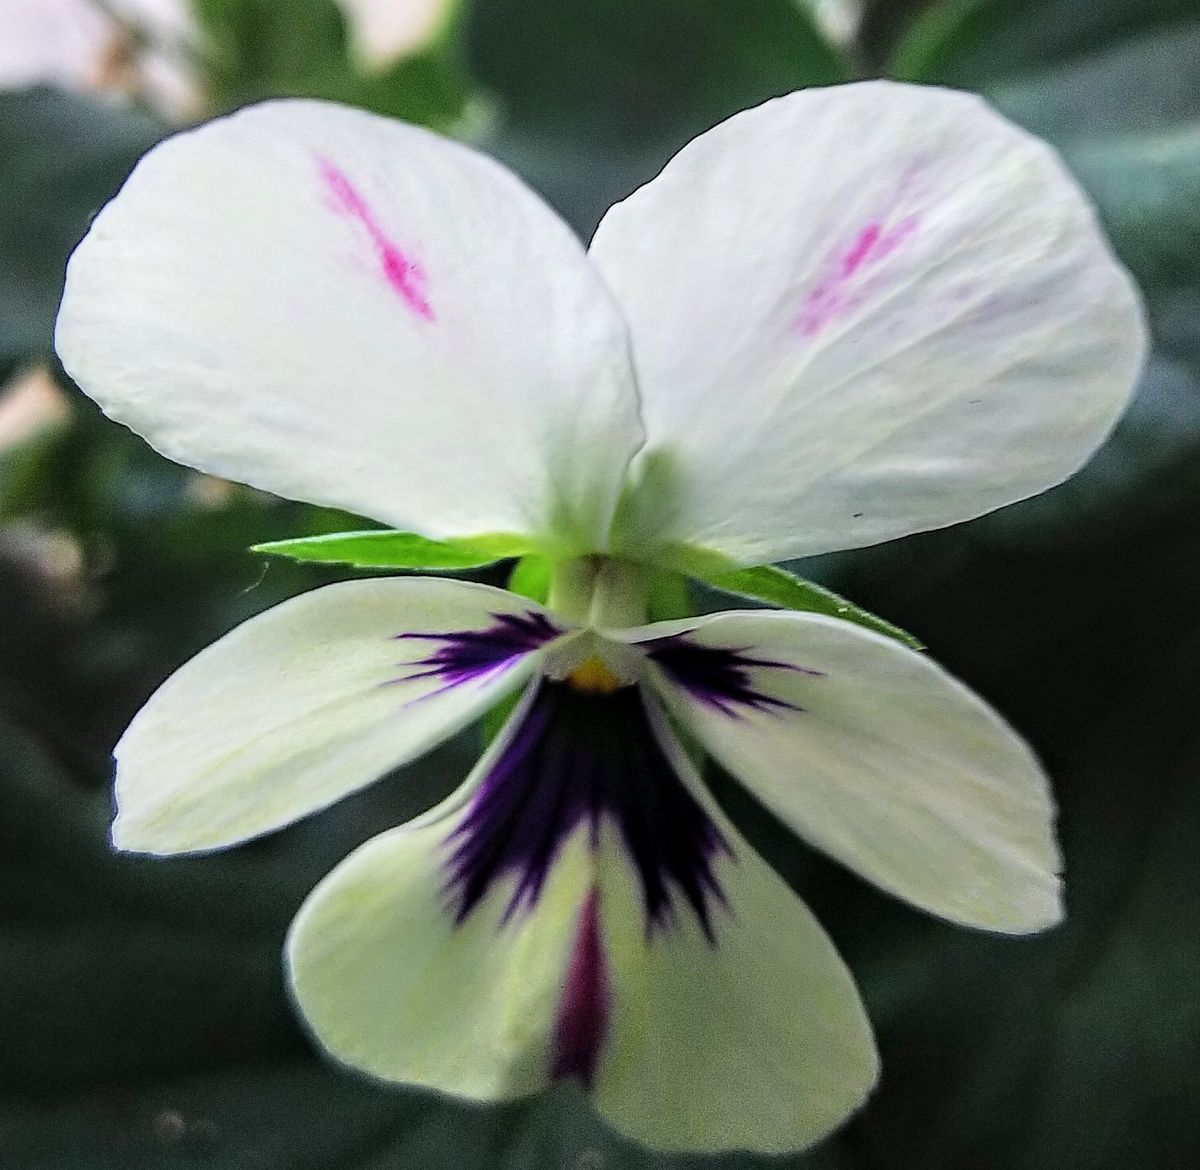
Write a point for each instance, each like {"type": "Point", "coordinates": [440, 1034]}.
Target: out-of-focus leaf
{"type": "Point", "coordinates": [596, 97]}
{"type": "Point", "coordinates": [397, 550]}
{"type": "Point", "coordinates": [1147, 187]}
{"type": "Point", "coordinates": [259, 48]}
{"type": "Point", "coordinates": [630, 70]}
{"type": "Point", "coordinates": [262, 49]}
{"type": "Point", "coordinates": [1149, 84]}
{"type": "Point", "coordinates": [973, 42]}
{"type": "Point", "coordinates": [64, 156]}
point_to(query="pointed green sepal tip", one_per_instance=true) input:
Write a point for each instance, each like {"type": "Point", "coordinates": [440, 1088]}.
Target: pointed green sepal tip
{"type": "Point", "coordinates": [780, 588]}
{"type": "Point", "coordinates": [385, 549]}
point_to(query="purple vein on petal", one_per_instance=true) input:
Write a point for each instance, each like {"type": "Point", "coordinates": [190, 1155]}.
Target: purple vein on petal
{"type": "Point", "coordinates": [462, 656]}
{"type": "Point", "coordinates": [581, 1025]}
{"type": "Point", "coordinates": [582, 759]}
{"type": "Point", "coordinates": [721, 677]}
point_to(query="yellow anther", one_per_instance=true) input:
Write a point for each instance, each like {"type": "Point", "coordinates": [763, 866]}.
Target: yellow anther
{"type": "Point", "coordinates": [594, 677]}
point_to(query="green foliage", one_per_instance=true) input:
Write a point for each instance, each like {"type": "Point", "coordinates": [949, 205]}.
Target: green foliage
{"type": "Point", "coordinates": [64, 157]}
{"type": "Point", "coordinates": [785, 590]}
{"type": "Point", "coordinates": [971, 43]}
{"type": "Point", "coordinates": [595, 97]}
{"type": "Point", "coordinates": [261, 49]}
{"type": "Point", "coordinates": [396, 550]}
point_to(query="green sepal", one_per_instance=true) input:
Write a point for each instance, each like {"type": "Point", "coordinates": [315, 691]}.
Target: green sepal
{"type": "Point", "coordinates": [778, 587]}
{"type": "Point", "coordinates": [531, 578]}
{"type": "Point", "coordinates": [385, 549]}
{"type": "Point", "coordinates": [668, 597]}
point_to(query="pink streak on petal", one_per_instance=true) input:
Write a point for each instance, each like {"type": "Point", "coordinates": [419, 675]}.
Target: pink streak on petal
{"type": "Point", "coordinates": [582, 1021]}
{"type": "Point", "coordinates": [405, 276]}
{"type": "Point", "coordinates": [851, 274]}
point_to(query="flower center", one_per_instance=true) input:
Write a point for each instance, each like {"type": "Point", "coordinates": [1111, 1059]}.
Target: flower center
{"type": "Point", "coordinates": [588, 753]}
{"type": "Point", "coordinates": [593, 677]}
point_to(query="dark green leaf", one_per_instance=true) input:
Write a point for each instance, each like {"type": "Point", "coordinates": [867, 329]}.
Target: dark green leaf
{"type": "Point", "coordinates": [64, 156]}
{"type": "Point", "coordinates": [780, 588]}
{"type": "Point", "coordinates": [974, 42]}
{"type": "Point", "coordinates": [596, 97]}
{"type": "Point", "coordinates": [630, 70]}
{"type": "Point", "coordinates": [396, 550]}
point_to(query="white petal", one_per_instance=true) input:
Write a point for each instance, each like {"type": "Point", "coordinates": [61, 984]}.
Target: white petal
{"type": "Point", "coordinates": [341, 308]}
{"type": "Point", "coordinates": [301, 706]}
{"type": "Point", "coordinates": [391, 984]}
{"type": "Point", "coordinates": [883, 761]}
{"type": "Point", "coordinates": [861, 312]}
{"type": "Point", "coordinates": [758, 1042]}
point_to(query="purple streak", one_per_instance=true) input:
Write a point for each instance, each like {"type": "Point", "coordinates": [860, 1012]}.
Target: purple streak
{"type": "Point", "coordinates": [720, 677]}
{"type": "Point", "coordinates": [403, 274]}
{"type": "Point", "coordinates": [581, 758]}
{"type": "Point", "coordinates": [465, 655]}
{"type": "Point", "coordinates": [581, 1025]}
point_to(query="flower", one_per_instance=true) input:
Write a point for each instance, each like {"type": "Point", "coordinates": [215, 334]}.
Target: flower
{"type": "Point", "coordinates": [843, 316]}
{"type": "Point", "coordinates": [384, 31]}
{"type": "Point", "coordinates": [140, 49]}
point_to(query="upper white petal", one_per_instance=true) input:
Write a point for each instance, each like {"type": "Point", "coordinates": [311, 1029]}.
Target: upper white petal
{"type": "Point", "coordinates": [865, 311]}
{"type": "Point", "coordinates": [341, 308]}
{"type": "Point", "coordinates": [299, 707]}
{"type": "Point", "coordinates": [887, 763]}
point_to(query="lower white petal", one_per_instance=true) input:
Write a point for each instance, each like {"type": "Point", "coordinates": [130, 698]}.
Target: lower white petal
{"type": "Point", "coordinates": [581, 910]}
{"type": "Point", "coordinates": [874, 754]}
{"type": "Point", "coordinates": [312, 700]}
{"type": "Point", "coordinates": [395, 981]}
{"type": "Point", "coordinates": [756, 1040]}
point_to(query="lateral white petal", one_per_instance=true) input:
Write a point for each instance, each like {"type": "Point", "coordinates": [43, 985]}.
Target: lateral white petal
{"type": "Point", "coordinates": [861, 312]}
{"type": "Point", "coordinates": [880, 758]}
{"type": "Point", "coordinates": [345, 309]}
{"type": "Point", "coordinates": [303, 705]}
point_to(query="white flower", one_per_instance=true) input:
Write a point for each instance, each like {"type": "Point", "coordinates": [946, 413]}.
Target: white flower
{"type": "Point", "coordinates": [383, 31]}
{"type": "Point", "coordinates": [846, 315]}
{"type": "Point", "coordinates": [134, 48]}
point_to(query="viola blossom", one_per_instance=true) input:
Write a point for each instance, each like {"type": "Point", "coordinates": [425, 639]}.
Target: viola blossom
{"type": "Point", "coordinates": [843, 316]}
{"type": "Point", "coordinates": [144, 50]}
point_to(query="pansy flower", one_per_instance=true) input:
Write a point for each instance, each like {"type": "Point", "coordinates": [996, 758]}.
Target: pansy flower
{"type": "Point", "coordinates": [843, 316]}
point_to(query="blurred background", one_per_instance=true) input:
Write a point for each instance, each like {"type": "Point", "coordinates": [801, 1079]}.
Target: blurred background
{"type": "Point", "coordinates": [143, 1017]}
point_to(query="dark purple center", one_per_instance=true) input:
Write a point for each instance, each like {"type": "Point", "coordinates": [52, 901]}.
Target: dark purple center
{"type": "Point", "coordinates": [580, 758]}
{"type": "Point", "coordinates": [587, 754]}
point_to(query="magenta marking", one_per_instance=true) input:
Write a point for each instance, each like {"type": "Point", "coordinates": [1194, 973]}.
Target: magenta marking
{"type": "Point", "coordinates": [404, 274]}
{"type": "Point", "coordinates": [851, 274]}
{"type": "Point", "coordinates": [582, 1021]}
